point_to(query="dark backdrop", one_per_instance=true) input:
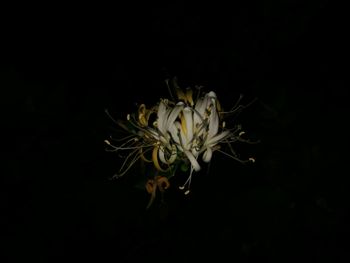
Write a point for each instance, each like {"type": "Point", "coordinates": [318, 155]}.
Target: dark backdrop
{"type": "Point", "coordinates": [61, 66]}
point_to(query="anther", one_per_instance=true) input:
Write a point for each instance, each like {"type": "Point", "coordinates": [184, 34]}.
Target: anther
{"type": "Point", "coordinates": [252, 159]}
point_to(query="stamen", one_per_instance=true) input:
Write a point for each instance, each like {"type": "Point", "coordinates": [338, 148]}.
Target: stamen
{"type": "Point", "coordinates": [188, 182]}
{"type": "Point", "coordinates": [110, 116]}
{"type": "Point", "coordinates": [248, 141]}
{"type": "Point", "coordinates": [132, 148]}
{"type": "Point", "coordinates": [121, 139]}
{"type": "Point", "coordinates": [233, 157]}
{"type": "Point", "coordinates": [123, 146]}
{"type": "Point", "coordinates": [127, 158]}
{"type": "Point", "coordinates": [129, 166]}
{"type": "Point", "coordinates": [148, 131]}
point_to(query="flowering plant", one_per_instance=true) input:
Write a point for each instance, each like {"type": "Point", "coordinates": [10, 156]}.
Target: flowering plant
{"type": "Point", "coordinates": [177, 132]}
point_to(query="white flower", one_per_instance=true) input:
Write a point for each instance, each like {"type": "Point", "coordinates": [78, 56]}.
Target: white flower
{"type": "Point", "coordinates": [183, 130]}
{"type": "Point", "coordinates": [197, 131]}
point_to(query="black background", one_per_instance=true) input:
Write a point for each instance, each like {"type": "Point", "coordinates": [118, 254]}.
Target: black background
{"type": "Point", "coordinates": [61, 66]}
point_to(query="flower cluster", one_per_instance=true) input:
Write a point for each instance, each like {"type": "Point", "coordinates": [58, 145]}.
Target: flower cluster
{"type": "Point", "coordinates": [177, 131]}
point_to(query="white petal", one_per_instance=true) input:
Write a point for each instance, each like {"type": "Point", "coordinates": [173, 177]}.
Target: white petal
{"type": "Point", "coordinates": [188, 122]}
{"type": "Point", "coordinates": [162, 116]}
{"type": "Point", "coordinates": [174, 133]}
{"type": "Point", "coordinates": [212, 94]}
{"type": "Point", "coordinates": [195, 152]}
{"type": "Point", "coordinates": [193, 161]}
{"type": "Point", "coordinates": [183, 138]}
{"type": "Point", "coordinates": [197, 121]}
{"type": "Point", "coordinates": [213, 123]}
{"type": "Point", "coordinates": [207, 155]}
{"type": "Point", "coordinates": [216, 139]}
{"type": "Point", "coordinates": [179, 147]}
{"type": "Point", "coordinates": [174, 114]}
{"type": "Point", "coordinates": [173, 155]}
{"type": "Point", "coordinates": [163, 140]}
{"type": "Point", "coordinates": [153, 133]}
{"type": "Point", "coordinates": [207, 101]}
{"type": "Point", "coordinates": [201, 105]}
{"type": "Point", "coordinates": [161, 155]}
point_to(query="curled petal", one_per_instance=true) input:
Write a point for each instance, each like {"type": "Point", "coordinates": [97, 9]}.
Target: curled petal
{"type": "Point", "coordinates": [162, 183]}
{"type": "Point", "coordinates": [150, 186]}
{"type": "Point", "coordinates": [161, 155]}
{"type": "Point", "coordinates": [155, 159]}
{"type": "Point", "coordinates": [193, 160]}
{"type": "Point", "coordinates": [212, 94]}
{"type": "Point", "coordinates": [207, 155]}
{"type": "Point", "coordinates": [174, 114]}
{"type": "Point", "coordinates": [170, 159]}
{"type": "Point", "coordinates": [142, 115]}
{"type": "Point", "coordinates": [173, 155]}
{"type": "Point", "coordinates": [143, 157]}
